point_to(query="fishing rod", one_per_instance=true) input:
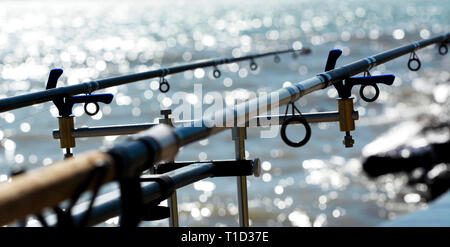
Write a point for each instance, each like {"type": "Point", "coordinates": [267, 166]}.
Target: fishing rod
{"type": "Point", "coordinates": [53, 93]}
{"type": "Point", "coordinates": [34, 191]}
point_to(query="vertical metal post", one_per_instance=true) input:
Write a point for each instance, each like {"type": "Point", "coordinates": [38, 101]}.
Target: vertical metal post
{"type": "Point", "coordinates": [172, 200]}
{"type": "Point", "coordinates": [239, 136]}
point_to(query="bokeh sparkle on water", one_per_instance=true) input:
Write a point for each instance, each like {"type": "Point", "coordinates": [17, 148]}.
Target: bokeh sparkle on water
{"type": "Point", "coordinates": [320, 184]}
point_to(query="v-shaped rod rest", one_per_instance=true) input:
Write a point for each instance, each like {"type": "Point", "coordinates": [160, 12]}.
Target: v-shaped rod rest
{"type": "Point", "coordinates": [345, 101]}
{"type": "Point", "coordinates": [344, 88]}
{"type": "Point", "coordinates": [65, 104]}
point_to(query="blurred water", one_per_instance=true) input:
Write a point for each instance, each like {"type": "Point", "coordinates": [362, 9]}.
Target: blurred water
{"type": "Point", "coordinates": [320, 184]}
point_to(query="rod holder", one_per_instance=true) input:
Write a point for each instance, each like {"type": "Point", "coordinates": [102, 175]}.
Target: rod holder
{"type": "Point", "coordinates": [346, 121]}
{"type": "Point", "coordinates": [258, 121]}
{"type": "Point", "coordinates": [166, 120]}
{"type": "Point", "coordinates": [345, 108]}
{"type": "Point", "coordinates": [345, 101]}
{"type": "Point", "coordinates": [65, 104]}
{"type": "Point", "coordinates": [172, 199]}
{"type": "Point", "coordinates": [67, 141]}
{"type": "Point", "coordinates": [222, 168]}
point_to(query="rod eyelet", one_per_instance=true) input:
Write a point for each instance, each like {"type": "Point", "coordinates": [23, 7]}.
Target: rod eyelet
{"type": "Point", "coordinates": [303, 121]}
{"type": "Point", "coordinates": [97, 109]}
{"type": "Point", "coordinates": [413, 58]}
{"type": "Point", "coordinates": [164, 86]}
{"type": "Point", "coordinates": [277, 59]}
{"type": "Point", "coordinates": [443, 49]}
{"type": "Point", "coordinates": [253, 65]}
{"type": "Point", "coordinates": [363, 96]}
{"type": "Point", "coordinates": [216, 73]}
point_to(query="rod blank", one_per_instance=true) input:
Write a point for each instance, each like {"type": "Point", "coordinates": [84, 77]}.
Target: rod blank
{"type": "Point", "coordinates": [20, 101]}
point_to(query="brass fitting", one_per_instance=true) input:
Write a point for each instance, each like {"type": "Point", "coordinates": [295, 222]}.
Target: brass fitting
{"type": "Point", "coordinates": [166, 120]}
{"type": "Point", "coordinates": [66, 125]}
{"type": "Point", "coordinates": [346, 122]}
{"type": "Point", "coordinates": [345, 108]}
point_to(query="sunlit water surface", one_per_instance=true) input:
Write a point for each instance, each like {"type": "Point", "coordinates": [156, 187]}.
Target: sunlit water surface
{"type": "Point", "coordinates": [320, 184]}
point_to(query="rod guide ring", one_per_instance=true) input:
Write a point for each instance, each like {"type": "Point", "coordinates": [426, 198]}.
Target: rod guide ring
{"type": "Point", "coordinates": [216, 73]}
{"type": "Point", "coordinates": [367, 99]}
{"type": "Point", "coordinates": [277, 59]}
{"type": "Point", "coordinates": [414, 59]}
{"type": "Point", "coordinates": [443, 49]}
{"type": "Point", "coordinates": [97, 108]}
{"type": "Point", "coordinates": [253, 65]}
{"type": "Point", "coordinates": [295, 118]}
{"type": "Point", "coordinates": [164, 86]}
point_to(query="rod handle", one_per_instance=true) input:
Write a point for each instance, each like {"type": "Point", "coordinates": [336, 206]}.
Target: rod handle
{"type": "Point", "coordinates": [31, 192]}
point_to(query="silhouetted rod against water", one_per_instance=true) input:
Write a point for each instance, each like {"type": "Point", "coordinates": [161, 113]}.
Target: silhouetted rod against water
{"type": "Point", "coordinates": [20, 101]}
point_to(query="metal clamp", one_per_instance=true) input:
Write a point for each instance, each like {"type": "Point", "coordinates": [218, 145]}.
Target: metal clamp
{"type": "Point", "coordinates": [65, 105]}
{"type": "Point", "coordinates": [346, 121]}
{"type": "Point", "coordinates": [166, 120]}
{"type": "Point", "coordinates": [345, 101]}
{"type": "Point", "coordinates": [66, 140]}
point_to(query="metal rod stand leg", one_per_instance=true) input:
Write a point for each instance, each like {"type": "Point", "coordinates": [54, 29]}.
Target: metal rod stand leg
{"type": "Point", "coordinates": [239, 136]}
{"type": "Point", "coordinates": [173, 206]}
{"type": "Point", "coordinates": [172, 200]}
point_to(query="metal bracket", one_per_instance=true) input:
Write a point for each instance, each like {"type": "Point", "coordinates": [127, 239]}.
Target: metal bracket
{"type": "Point", "coordinates": [345, 101]}
{"type": "Point", "coordinates": [65, 105]}
{"type": "Point", "coordinates": [223, 168]}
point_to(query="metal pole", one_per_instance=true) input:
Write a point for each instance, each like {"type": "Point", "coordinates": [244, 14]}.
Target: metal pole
{"type": "Point", "coordinates": [239, 135]}
{"type": "Point", "coordinates": [259, 121]}
{"type": "Point", "coordinates": [172, 200]}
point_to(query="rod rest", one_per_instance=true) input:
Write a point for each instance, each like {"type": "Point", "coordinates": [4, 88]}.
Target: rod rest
{"type": "Point", "coordinates": [65, 105]}
{"type": "Point", "coordinates": [128, 129]}
{"type": "Point", "coordinates": [222, 168]}
{"type": "Point", "coordinates": [344, 89]}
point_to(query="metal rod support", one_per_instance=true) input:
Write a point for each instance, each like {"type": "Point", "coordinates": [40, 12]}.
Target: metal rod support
{"type": "Point", "coordinates": [239, 135]}
{"type": "Point", "coordinates": [172, 200]}
{"type": "Point", "coordinates": [260, 121]}
{"type": "Point", "coordinates": [108, 205]}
